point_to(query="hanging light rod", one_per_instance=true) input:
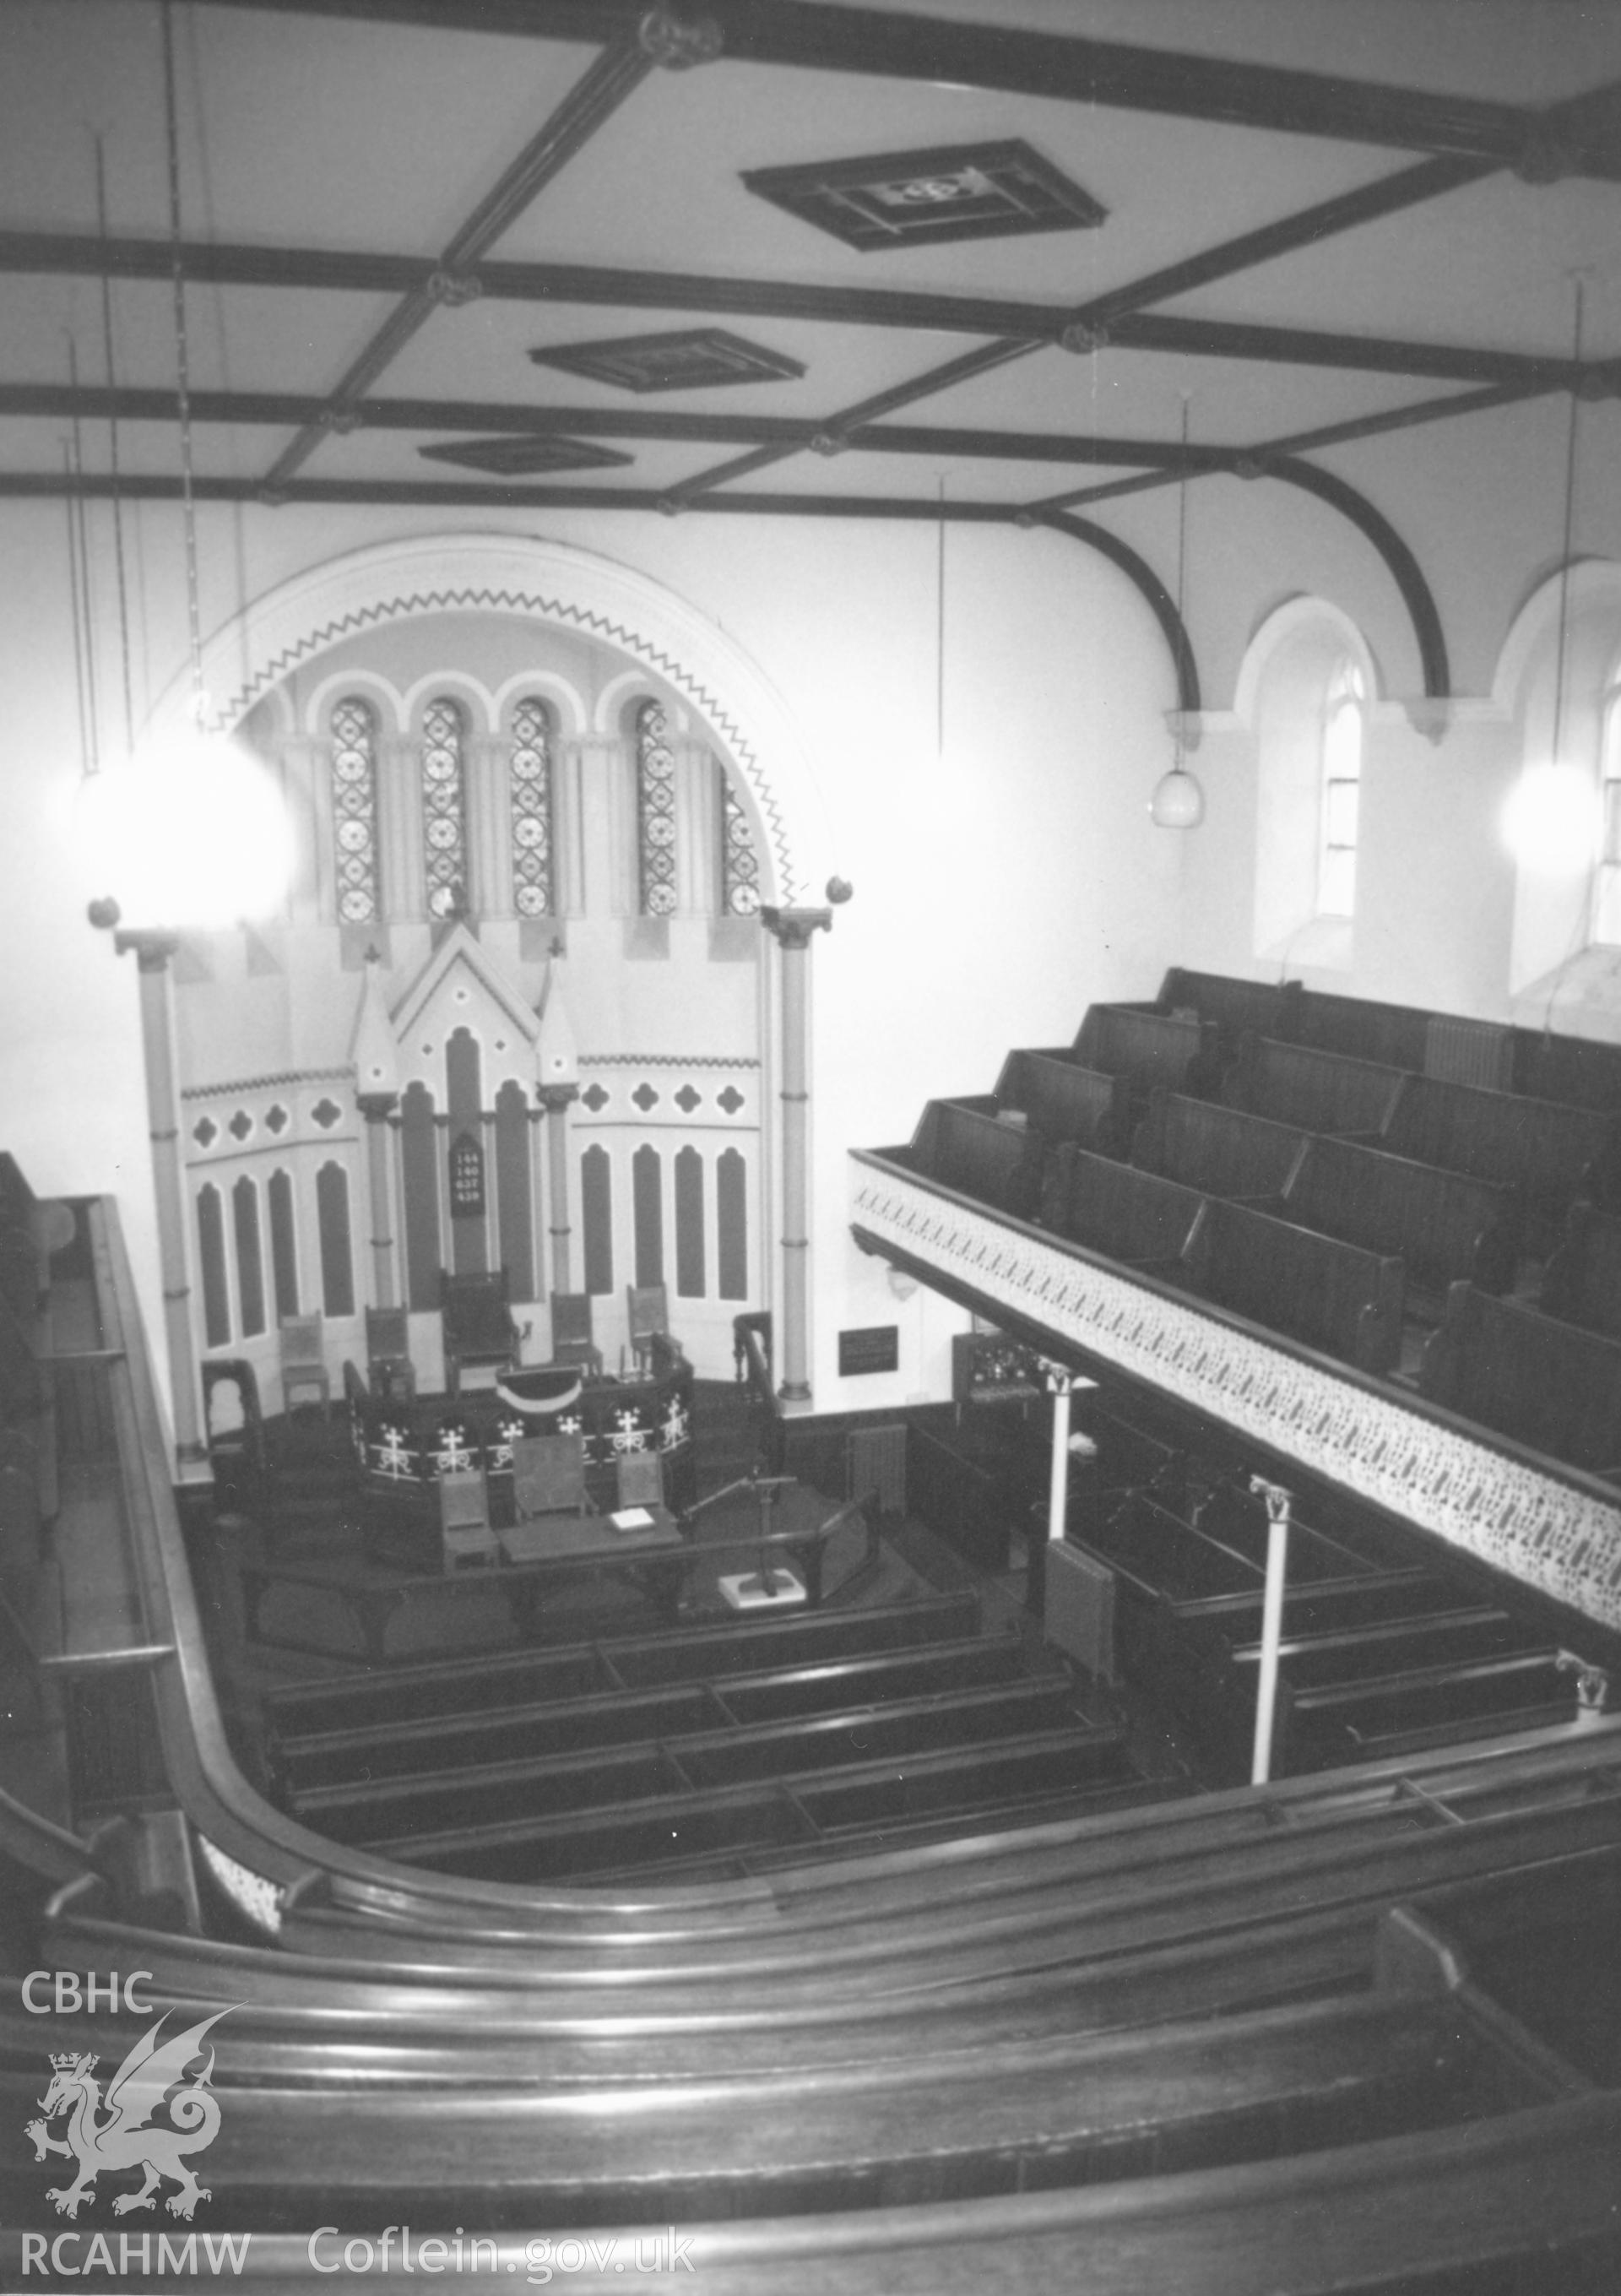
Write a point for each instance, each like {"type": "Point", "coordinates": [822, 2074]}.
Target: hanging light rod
{"type": "Point", "coordinates": [1178, 801]}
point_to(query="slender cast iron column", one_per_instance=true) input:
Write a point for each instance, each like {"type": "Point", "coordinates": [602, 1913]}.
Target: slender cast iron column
{"type": "Point", "coordinates": [152, 952]}
{"type": "Point", "coordinates": [554, 1098]}
{"type": "Point", "coordinates": [791, 929]}
{"type": "Point", "coordinates": [377, 1107]}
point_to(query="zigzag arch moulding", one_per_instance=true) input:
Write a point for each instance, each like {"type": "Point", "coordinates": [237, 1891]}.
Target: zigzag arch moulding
{"type": "Point", "coordinates": [569, 588]}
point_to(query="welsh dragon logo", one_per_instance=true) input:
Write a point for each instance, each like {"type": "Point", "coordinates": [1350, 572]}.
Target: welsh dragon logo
{"type": "Point", "coordinates": [129, 2139]}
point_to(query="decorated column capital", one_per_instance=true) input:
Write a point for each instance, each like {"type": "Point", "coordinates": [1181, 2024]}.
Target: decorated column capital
{"type": "Point", "coordinates": [153, 949]}
{"type": "Point", "coordinates": [793, 928]}
{"type": "Point", "coordinates": [376, 1107]}
{"type": "Point", "coordinates": [556, 1097]}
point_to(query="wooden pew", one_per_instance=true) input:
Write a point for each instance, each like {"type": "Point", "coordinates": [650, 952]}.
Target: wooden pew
{"type": "Point", "coordinates": [611, 1717]}
{"type": "Point", "coordinates": [1149, 1047]}
{"type": "Point", "coordinates": [1216, 1149]}
{"type": "Point", "coordinates": [1583, 1281]}
{"type": "Point", "coordinates": [1553, 1151]}
{"type": "Point", "coordinates": [1447, 1227]}
{"type": "Point", "coordinates": [1320, 1091]}
{"type": "Point", "coordinates": [1542, 1383]}
{"type": "Point", "coordinates": [962, 1144]}
{"type": "Point", "coordinates": [1237, 1008]}
{"type": "Point", "coordinates": [443, 1688]}
{"type": "Point", "coordinates": [1132, 1215]}
{"type": "Point", "coordinates": [546, 1765]}
{"type": "Point", "coordinates": [1061, 1100]}
{"type": "Point", "coordinates": [1328, 1295]}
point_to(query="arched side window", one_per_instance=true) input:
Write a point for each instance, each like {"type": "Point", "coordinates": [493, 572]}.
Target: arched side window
{"type": "Point", "coordinates": [655, 814]}
{"type": "Point", "coordinates": [1342, 730]}
{"type": "Point", "coordinates": [739, 864]}
{"type": "Point", "coordinates": [283, 1244]}
{"type": "Point", "coordinates": [1607, 888]}
{"type": "Point", "coordinates": [211, 1254]}
{"type": "Point", "coordinates": [533, 893]}
{"type": "Point", "coordinates": [354, 734]}
{"type": "Point", "coordinates": [250, 1256]}
{"type": "Point", "coordinates": [443, 808]}
{"type": "Point", "coordinates": [332, 1225]}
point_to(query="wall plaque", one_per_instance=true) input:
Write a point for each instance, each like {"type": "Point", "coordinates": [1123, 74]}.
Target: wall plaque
{"type": "Point", "coordinates": [466, 1177]}
{"type": "Point", "coordinates": [876, 1348]}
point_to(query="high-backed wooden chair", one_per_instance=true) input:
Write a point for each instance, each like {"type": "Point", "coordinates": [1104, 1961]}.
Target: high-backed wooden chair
{"type": "Point", "coordinates": [236, 1437]}
{"type": "Point", "coordinates": [304, 1361]}
{"type": "Point", "coordinates": [640, 1475]}
{"type": "Point", "coordinates": [572, 1339]}
{"type": "Point", "coordinates": [549, 1476]}
{"type": "Point", "coordinates": [648, 1307]}
{"type": "Point", "coordinates": [464, 1526]}
{"type": "Point", "coordinates": [388, 1365]}
{"type": "Point", "coordinates": [479, 1332]}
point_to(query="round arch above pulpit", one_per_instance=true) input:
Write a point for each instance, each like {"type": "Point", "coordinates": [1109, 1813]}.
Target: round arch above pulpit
{"type": "Point", "coordinates": [567, 588]}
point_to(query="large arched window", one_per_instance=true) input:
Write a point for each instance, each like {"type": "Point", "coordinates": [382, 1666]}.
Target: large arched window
{"type": "Point", "coordinates": [1607, 887]}
{"type": "Point", "coordinates": [1342, 729]}
{"type": "Point", "coordinates": [533, 893]}
{"type": "Point", "coordinates": [739, 864]}
{"type": "Point", "coordinates": [443, 808]}
{"type": "Point", "coordinates": [1310, 702]}
{"type": "Point", "coordinates": [655, 812]}
{"type": "Point", "coordinates": [354, 734]}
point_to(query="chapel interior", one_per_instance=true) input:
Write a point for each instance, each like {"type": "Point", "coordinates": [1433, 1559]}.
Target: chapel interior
{"type": "Point", "coordinates": [810, 1190]}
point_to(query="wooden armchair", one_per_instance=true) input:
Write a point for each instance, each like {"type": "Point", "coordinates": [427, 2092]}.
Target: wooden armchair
{"type": "Point", "coordinates": [478, 1329]}
{"type": "Point", "coordinates": [388, 1365]}
{"type": "Point", "coordinates": [647, 1306]}
{"type": "Point", "coordinates": [304, 1361]}
{"type": "Point", "coordinates": [572, 1341]}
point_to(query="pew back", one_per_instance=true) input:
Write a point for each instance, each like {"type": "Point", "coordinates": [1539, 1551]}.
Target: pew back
{"type": "Point", "coordinates": [1542, 1146]}
{"type": "Point", "coordinates": [1583, 1285]}
{"type": "Point", "coordinates": [1324, 1293]}
{"type": "Point", "coordinates": [1320, 1092]}
{"type": "Point", "coordinates": [963, 1144]}
{"type": "Point", "coordinates": [1064, 1100]}
{"type": "Point", "coordinates": [1219, 1150]}
{"type": "Point", "coordinates": [1112, 1208]}
{"type": "Point", "coordinates": [1540, 1382]}
{"type": "Point", "coordinates": [1446, 1226]}
{"type": "Point", "coordinates": [1152, 1048]}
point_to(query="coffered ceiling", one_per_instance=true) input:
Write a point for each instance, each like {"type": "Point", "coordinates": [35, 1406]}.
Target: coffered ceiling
{"type": "Point", "coordinates": [977, 256]}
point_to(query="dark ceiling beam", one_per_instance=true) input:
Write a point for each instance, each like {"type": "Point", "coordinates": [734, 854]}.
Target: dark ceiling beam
{"type": "Point", "coordinates": [616, 74]}
{"type": "Point", "coordinates": [24, 485]}
{"type": "Point", "coordinates": [829, 437]}
{"type": "Point", "coordinates": [1252, 462]}
{"type": "Point", "coordinates": [1403, 567]}
{"type": "Point", "coordinates": [1089, 325]}
{"type": "Point", "coordinates": [1162, 605]}
{"type": "Point", "coordinates": [76, 255]}
{"type": "Point", "coordinates": [131, 403]}
{"type": "Point", "coordinates": [1006, 59]}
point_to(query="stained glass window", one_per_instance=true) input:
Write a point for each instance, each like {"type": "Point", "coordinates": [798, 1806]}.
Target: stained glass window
{"type": "Point", "coordinates": [655, 812]}
{"type": "Point", "coordinates": [443, 809]}
{"type": "Point", "coordinates": [531, 817]}
{"type": "Point", "coordinates": [353, 730]}
{"type": "Point", "coordinates": [739, 864]}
